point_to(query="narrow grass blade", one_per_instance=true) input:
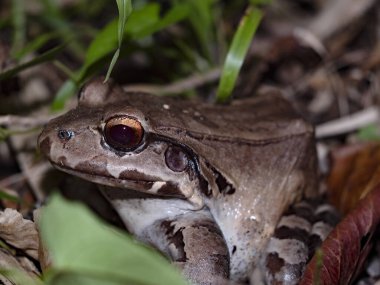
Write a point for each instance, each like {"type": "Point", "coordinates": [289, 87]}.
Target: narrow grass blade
{"type": "Point", "coordinates": [125, 9]}
{"type": "Point", "coordinates": [47, 56]}
{"type": "Point", "coordinates": [236, 54]}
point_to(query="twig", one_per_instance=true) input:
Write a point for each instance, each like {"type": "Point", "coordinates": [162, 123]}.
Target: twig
{"type": "Point", "coordinates": [27, 122]}
{"type": "Point", "coordinates": [12, 179]}
{"type": "Point", "coordinates": [337, 15]}
{"type": "Point", "coordinates": [348, 123]}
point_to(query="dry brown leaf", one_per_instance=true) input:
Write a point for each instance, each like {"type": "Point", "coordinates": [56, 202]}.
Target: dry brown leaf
{"type": "Point", "coordinates": [19, 232]}
{"type": "Point", "coordinates": [346, 248]}
{"type": "Point", "coordinates": [355, 172]}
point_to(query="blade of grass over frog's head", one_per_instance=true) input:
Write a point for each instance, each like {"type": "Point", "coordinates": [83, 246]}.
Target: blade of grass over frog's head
{"type": "Point", "coordinates": [104, 43]}
{"type": "Point", "coordinates": [237, 51]}
{"type": "Point", "coordinates": [69, 228]}
{"type": "Point", "coordinates": [46, 56]}
{"type": "Point", "coordinates": [141, 23]}
{"type": "Point", "coordinates": [106, 40]}
{"type": "Point", "coordinates": [125, 9]}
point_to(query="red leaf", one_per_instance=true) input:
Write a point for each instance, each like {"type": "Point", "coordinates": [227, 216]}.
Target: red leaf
{"type": "Point", "coordinates": [347, 246]}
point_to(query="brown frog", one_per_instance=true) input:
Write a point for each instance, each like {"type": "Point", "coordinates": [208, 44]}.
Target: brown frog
{"type": "Point", "coordinates": [206, 184]}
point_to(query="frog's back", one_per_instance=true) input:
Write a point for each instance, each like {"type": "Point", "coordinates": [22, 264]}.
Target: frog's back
{"type": "Point", "coordinates": [265, 117]}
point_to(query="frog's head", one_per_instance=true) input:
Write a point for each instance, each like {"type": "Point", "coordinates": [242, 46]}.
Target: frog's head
{"type": "Point", "coordinates": [108, 141]}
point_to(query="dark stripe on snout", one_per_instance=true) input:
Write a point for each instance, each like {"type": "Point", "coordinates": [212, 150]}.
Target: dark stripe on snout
{"type": "Point", "coordinates": [171, 189]}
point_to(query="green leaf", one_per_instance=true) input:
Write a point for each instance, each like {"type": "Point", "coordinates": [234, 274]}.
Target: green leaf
{"type": "Point", "coordinates": [125, 9]}
{"type": "Point", "coordinates": [103, 44]}
{"type": "Point", "coordinates": [80, 244]}
{"type": "Point", "coordinates": [64, 93]}
{"type": "Point", "coordinates": [141, 23]}
{"type": "Point", "coordinates": [47, 56]}
{"type": "Point", "coordinates": [236, 54]}
{"type": "Point", "coordinates": [147, 21]}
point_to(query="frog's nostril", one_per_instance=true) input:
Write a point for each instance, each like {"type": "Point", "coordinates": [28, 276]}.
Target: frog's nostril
{"type": "Point", "coordinates": [65, 134]}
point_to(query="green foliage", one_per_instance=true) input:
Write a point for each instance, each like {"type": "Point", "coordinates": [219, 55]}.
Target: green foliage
{"type": "Point", "coordinates": [236, 54]}
{"type": "Point", "coordinates": [198, 51]}
{"type": "Point", "coordinates": [142, 23]}
{"type": "Point", "coordinates": [85, 251]}
{"type": "Point", "coordinates": [201, 19]}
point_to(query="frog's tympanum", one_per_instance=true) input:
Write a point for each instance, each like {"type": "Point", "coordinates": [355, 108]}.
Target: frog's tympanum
{"type": "Point", "coordinates": [205, 184]}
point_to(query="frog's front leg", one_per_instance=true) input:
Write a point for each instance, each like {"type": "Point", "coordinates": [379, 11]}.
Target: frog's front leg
{"type": "Point", "coordinates": [191, 239]}
{"type": "Point", "coordinates": [195, 244]}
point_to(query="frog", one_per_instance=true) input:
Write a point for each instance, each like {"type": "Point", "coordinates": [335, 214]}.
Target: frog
{"type": "Point", "coordinates": [206, 184]}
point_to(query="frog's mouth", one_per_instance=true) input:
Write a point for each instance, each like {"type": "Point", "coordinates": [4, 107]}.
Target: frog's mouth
{"type": "Point", "coordinates": [155, 187]}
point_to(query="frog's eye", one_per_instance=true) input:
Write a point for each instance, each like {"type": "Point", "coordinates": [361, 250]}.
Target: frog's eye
{"type": "Point", "coordinates": [123, 133]}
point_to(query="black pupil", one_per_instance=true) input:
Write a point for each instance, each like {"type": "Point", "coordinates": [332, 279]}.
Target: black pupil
{"type": "Point", "coordinates": [123, 135]}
